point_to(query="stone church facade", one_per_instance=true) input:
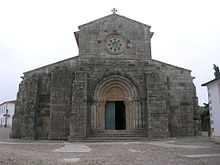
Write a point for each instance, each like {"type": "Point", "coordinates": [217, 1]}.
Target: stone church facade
{"type": "Point", "coordinates": [113, 87]}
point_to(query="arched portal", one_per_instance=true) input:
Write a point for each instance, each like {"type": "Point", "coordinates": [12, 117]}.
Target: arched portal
{"type": "Point", "coordinates": [116, 106]}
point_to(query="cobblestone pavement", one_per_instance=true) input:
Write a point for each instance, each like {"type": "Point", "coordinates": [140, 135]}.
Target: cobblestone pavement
{"type": "Point", "coordinates": [173, 151]}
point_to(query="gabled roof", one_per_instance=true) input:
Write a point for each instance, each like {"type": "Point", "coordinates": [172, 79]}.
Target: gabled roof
{"type": "Point", "coordinates": [188, 70]}
{"type": "Point", "coordinates": [205, 84]}
{"type": "Point", "coordinates": [113, 15]}
{"type": "Point", "coordinates": [8, 102]}
{"type": "Point", "coordinates": [50, 65]}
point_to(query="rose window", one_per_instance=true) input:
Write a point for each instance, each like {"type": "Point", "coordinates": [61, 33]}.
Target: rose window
{"type": "Point", "coordinates": [115, 45]}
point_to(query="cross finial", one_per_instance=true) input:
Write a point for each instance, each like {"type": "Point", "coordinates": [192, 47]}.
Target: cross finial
{"type": "Point", "coordinates": [114, 10]}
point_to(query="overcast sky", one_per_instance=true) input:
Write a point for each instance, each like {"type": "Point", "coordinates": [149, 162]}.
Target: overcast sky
{"type": "Point", "coordinates": [40, 32]}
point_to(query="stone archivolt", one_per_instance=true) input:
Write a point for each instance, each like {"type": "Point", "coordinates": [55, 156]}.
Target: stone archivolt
{"type": "Point", "coordinates": [116, 88]}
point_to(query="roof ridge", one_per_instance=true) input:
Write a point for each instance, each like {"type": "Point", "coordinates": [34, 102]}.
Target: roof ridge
{"type": "Point", "coordinates": [110, 15]}
{"type": "Point", "coordinates": [10, 101]}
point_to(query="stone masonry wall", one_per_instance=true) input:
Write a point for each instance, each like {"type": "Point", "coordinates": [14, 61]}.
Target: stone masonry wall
{"type": "Point", "coordinates": [180, 100]}
{"type": "Point", "coordinates": [24, 118]}
{"type": "Point", "coordinates": [79, 106]}
{"type": "Point", "coordinates": [61, 103]}
{"type": "Point", "coordinates": [157, 110]}
{"type": "Point", "coordinates": [19, 113]}
{"type": "Point", "coordinates": [136, 35]}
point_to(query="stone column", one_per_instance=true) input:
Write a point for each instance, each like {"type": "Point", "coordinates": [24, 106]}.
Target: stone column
{"type": "Point", "coordinates": [27, 116]}
{"type": "Point", "coordinates": [60, 106]}
{"type": "Point", "coordinates": [19, 112]}
{"type": "Point", "coordinates": [157, 111]}
{"type": "Point", "coordinates": [79, 107]}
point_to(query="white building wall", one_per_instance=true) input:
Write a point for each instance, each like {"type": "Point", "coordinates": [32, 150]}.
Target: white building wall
{"type": "Point", "coordinates": [11, 108]}
{"type": "Point", "coordinates": [2, 111]}
{"type": "Point", "coordinates": [10, 105]}
{"type": "Point", "coordinates": [214, 104]}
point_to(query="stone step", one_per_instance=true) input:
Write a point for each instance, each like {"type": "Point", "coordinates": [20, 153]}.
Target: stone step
{"type": "Point", "coordinates": [116, 137]}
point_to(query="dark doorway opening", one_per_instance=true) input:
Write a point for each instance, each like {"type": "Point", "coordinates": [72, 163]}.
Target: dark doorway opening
{"type": "Point", "coordinates": [120, 115]}
{"type": "Point", "coordinates": [115, 115]}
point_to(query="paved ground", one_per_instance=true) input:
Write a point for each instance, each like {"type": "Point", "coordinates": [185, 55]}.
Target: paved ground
{"type": "Point", "coordinates": [175, 151]}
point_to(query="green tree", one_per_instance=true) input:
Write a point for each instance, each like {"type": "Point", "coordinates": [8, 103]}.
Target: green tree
{"type": "Point", "coordinates": [205, 117]}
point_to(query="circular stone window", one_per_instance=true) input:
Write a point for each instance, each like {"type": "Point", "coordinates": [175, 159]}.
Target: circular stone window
{"type": "Point", "coordinates": [115, 44]}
